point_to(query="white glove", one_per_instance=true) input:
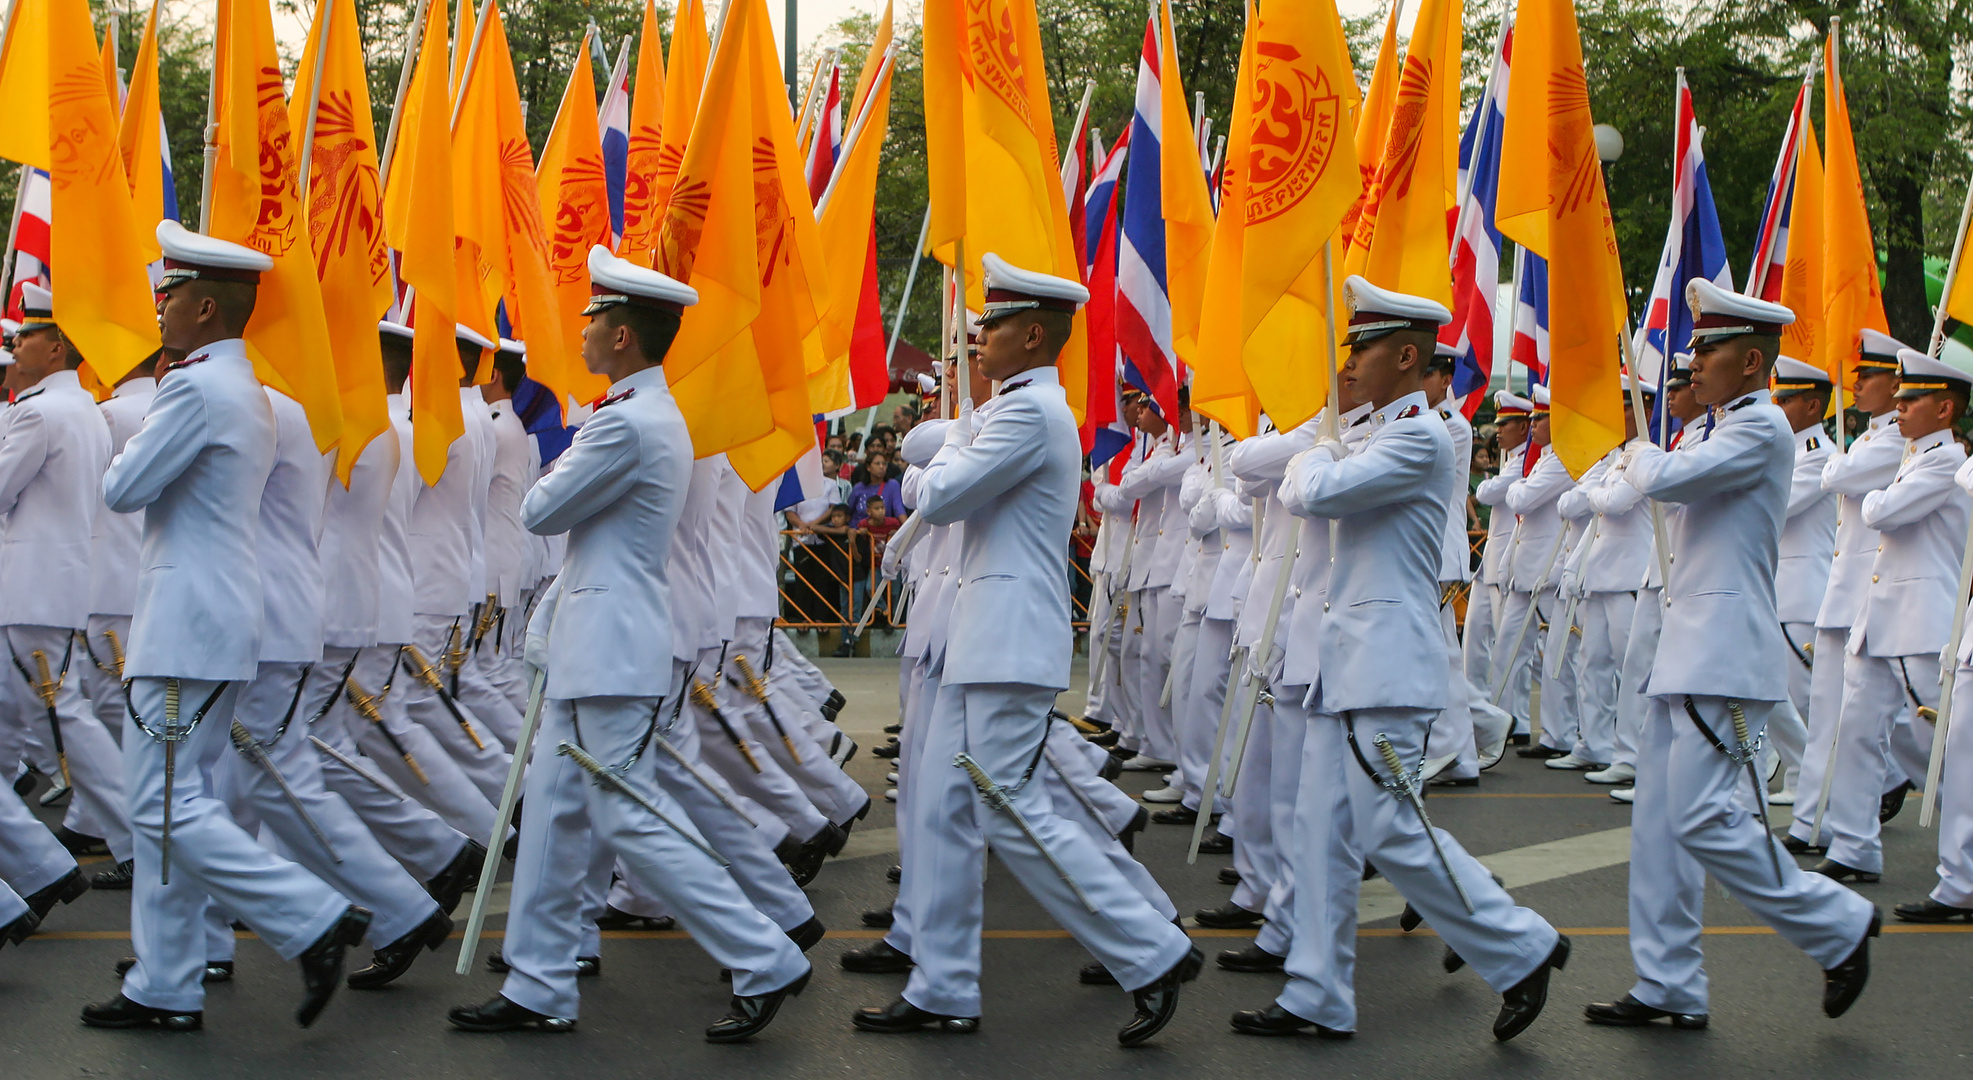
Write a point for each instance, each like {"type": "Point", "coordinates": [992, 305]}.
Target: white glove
{"type": "Point", "coordinates": [1333, 447]}
{"type": "Point", "coordinates": [893, 554]}
{"type": "Point", "coordinates": [534, 647]}
{"type": "Point", "coordinates": [959, 433]}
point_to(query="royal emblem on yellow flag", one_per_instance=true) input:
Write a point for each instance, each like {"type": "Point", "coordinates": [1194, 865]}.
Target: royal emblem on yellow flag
{"type": "Point", "coordinates": [1852, 297]}
{"type": "Point", "coordinates": [575, 201]}
{"type": "Point", "coordinates": [641, 214]}
{"type": "Point", "coordinates": [140, 135]}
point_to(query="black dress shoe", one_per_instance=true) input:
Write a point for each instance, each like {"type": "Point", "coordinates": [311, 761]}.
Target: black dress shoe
{"type": "Point", "coordinates": [1095, 974]}
{"type": "Point", "coordinates": [1228, 916]}
{"type": "Point", "coordinates": [887, 751]}
{"type": "Point", "coordinates": [1523, 1001]}
{"type": "Point", "coordinates": [1215, 843]}
{"type": "Point", "coordinates": [63, 891]}
{"type": "Point", "coordinates": [1275, 1020]}
{"type": "Point", "coordinates": [1892, 802]}
{"type": "Point", "coordinates": [1842, 984]}
{"type": "Point", "coordinates": [1410, 920]}
{"type": "Point", "coordinates": [901, 1016]}
{"type": "Point", "coordinates": [24, 783]}
{"type": "Point", "coordinates": [1518, 740]}
{"type": "Point", "coordinates": [1539, 752]}
{"type": "Point", "coordinates": [805, 859]}
{"type": "Point", "coordinates": [121, 1012]}
{"type": "Point", "coordinates": [588, 967]}
{"type": "Point", "coordinates": [1158, 1002]}
{"type": "Point", "coordinates": [1128, 836]}
{"type": "Point", "coordinates": [1229, 875]}
{"type": "Point", "coordinates": [1451, 961]}
{"type": "Point", "coordinates": [1795, 845]}
{"type": "Point", "coordinates": [17, 931]}
{"type": "Point", "coordinates": [499, 1014]}
{"type": "Point", "coordinates": [81, 844]}
{"type": "Point", "coordinates": [894, 874]}
{"type": "Point", "coordinates": [1836, 871]}
{"type": "Point", "coordinates": [497, 963]}
{"type": "Point", "coordinates": [893, 729]}
{"type": "Point", "coordinates": [459, 877]}
{"type": "Point", "coordinates": [836, 700]}
{"type": "Point", "coordinates": [1929, 910]}
{"type": "Point", "coordinates": [877, 959]}
{"type": "Point", "coordinates": [1631, 1012]}
{"type": "Point", "coordinates": [1111, 768]}
{"type": "Point", "coordinates": [1108, 739]}
{"type": "Point", "coordinates": [807, 934]}
{"type": "Point", "coordinates": [750, 1015]}
{"type": "Point", "coordinates": [614, 919]}
{"type": "Point", "coordinates": [394, 959]}
{"type": "Point", "coordinates": [1453, 781]}
{"type": "Point", "coordinates": [1252, 958]}
{"type": "Point", "coordinates": [322, 963]}
{"type": "Point", "coordinates": [117, 878]}
{"type": "Point", "coordinates": [880, 919]}
{"type": "Point", "coordinates": [1176, 815]}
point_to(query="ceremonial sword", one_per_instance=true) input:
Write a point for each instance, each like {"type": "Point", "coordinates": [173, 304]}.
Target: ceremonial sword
{"type": "Point", "coordinates": [250, 748]}
{"type": "Point", "coordinates": [427, 674]}
{"type": "Point", "coordinates": [349, 763]}
{"type": "Point", "coordinates": [366, 707]}
{"type": "Point", "coordinates": [751, 682]}
{"type": "Point", "coordinates": [998, 798]}
{"type": "Point", "coordinates": [607, 777]}
{"type": "Point", "coordinates": [46, 687]}
{"type": "Point", "coordinates": [1403, 783]}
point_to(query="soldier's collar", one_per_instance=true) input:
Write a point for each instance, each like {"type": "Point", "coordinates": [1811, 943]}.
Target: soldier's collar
{"type": "Point", "coordinates": [1403, 408]}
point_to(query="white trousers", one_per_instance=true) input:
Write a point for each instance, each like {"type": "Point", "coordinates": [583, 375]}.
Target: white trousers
{"type": "Point", "coordinates": [441, 781]}
{"type": "Point", "coordinates": [1287, 722]}
{"type": "Point", "coordinates": [1647, 620]}
{"type": "Point", "coordinates": [31, 859]}
{"type": "Point", "coordinates": [808, 764]}
{"type": "Point", "coordinates": [1691, 819]}
{"type": "Point", "coordinates": [572, 824]}
{"type": "Point", "coordinates": [1152, 632]}
{"type": "Point", "coordinates": [95, 762]}
{"type": "Point", "coordinates": [1518, 669]}
{"type": "Point", "coordinates": [1955, 886]}
{"type": "Point", "coordinates": [1824, 717]}
{"type": "Point", "coordinates": [480, 752]}
{"type": "Point", "coordinates": [354, 864]}
{"type": "Point", "coordinates": [912, 836]}
{"type": "Point", "coordinates": [1801, 675]}
{"type": "Point", "coordinates": [1452, 728]}
{"type": "Point", "coordinates": [1103, 637]}
{"type": "Point", "coordinates": [1561, 706]}
{"type": "Point", "coordinates": [1249, 816]}
{"type": "Point", "coordinates": [1206, 686]}
{"type": "Point", "coordinates": [1875, 697]}
{"type": "Point", "coordinates": [101, 668]}
{"type": "Point", "coordinates": [754, 773]}
{"type": "Point", "coordinates": [1605, 619]}
{"type": "Point", "coordinates": [1344, 817]}
{"type": "Point", "coordinates": [1002, 726]}
{"type": "Point", "coordinates": [211, 856]}
{"type": "Point", "coordinates": [1477, 638]}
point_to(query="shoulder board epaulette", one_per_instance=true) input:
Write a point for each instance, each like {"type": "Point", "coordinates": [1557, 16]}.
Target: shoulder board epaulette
{"type": "Point", "coordinates": [1813, 444]}
{"type": "Point", "coordinates": [23, 396]}
{"type": "Point", "coordinates": [1409, 412]}
{"type": "Point", "coordinates": [1008, 388]}
{"type": "Point", "coordinates": [1365, 418]}
{"type": "Point", "coordinates": [197, 358]}
{"type": "Point", "coordinates": [612, 399]}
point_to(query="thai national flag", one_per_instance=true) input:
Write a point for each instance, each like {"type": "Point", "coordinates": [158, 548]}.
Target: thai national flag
{"type": "Point", "coordinates": [31, 238]}
{"type": "Point", "coordinates": [1476, 242]}
{"type": "Point", "coordinates": [1771, 244]}
{"type": "Point", "coordinates": [1104, 432]}
{"type": "Point", "coordinates": [613, 117]}
{"type": "Point", "coordinates": [1143, 301]}
{"type": "Point", "coordinates": [1530, 347]}
{"type": "Point", "coordinates": [803, 481]}
{"type": "Point", "coordinates": [826, 145]}
{"type": "Point", "coordinates": [1694, 248]}
{"type": "Point", "coordinates": [170, 185]}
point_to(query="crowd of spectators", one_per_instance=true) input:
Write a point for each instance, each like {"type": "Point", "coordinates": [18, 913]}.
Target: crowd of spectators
{"type": "Point", "coordinates": [838, 537]}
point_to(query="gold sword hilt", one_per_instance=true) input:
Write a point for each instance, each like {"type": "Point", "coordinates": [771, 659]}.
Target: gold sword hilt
{"type": "Point", "coordinates": [455, 649]}
{"type": "Point", "coordinates": [366, 706]}
{"type": "Point", "coordinates": [484, 623]}
{"type": "Point", "coordinates": [422, 667]}
{"type": "Point", "coordinates": [116, 649]}
{"type": "Point", "coordinates": [757, 689]}
{"type": "Point", "coordinates": [45, 684]}
{"type": "Point", "coordinates": [703, 698]}
{"type": "Point", "coordinates": [1391, 760]}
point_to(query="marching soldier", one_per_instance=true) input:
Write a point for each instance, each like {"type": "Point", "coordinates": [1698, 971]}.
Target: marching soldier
{"type": "Point", "coordinates": [1808, 542]}
{"type": "Point", "coordinates": [606, 633]}
{"type": "Point", "coordinates": [197, 469]}
{"type": "Point", "coordinates": [1952, 897]}
{"type": "Point", "coordinates": [1483, 608]}
{"type": "Point", "coordinates": [1717, 676]}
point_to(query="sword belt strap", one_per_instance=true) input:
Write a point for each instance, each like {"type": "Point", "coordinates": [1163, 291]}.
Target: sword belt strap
{"type": "Point", "coordinates": [1909, 690]}
{"type": "Point", "coordinates": [336, 694]}
{"type": "Point", "coordinates": [32, 683]}
{"type": "Point", "coordinates": [293, 703]}
{"type": "Point", "coordinates": [184, 732]}
{"type": "Point", "coordinates": [1391, 785]}
{"type": "Point", "coordinates": [1699, 722]}
{"type": "Point", "coordinates": [1803, 657]}
{"type": "Point", "coordinates": [575, 729]}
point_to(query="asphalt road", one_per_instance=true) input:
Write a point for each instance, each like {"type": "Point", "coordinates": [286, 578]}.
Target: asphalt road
{"type": "Point", "coordinates": [1559, 842]}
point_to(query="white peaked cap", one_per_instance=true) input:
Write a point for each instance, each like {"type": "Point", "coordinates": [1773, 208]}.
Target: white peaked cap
{"type": "Point", "coordinates": [1921, 374]}
{"type": "Point", "coordinates": [1506, 401]}
{"type": "Point", "coordinates": [395, 329]}
{"type": "Point", "coordinates": [1878, 343]}
{"type": "Point", "coordinates": [37, 304]}
{"type": "Point", "coordinates": [1792, 374]}
{"type": "Point", "coordinates": [509, 345]}
{"type": "Point", "coordinates": [1540, 396]}
{"type": "Point", "coordinates": [1722, 313]}
{"type": "Point", "coordinates": [1010, 289]}
{"type": "Point", "coordinates": [189, 255]}
{"type": "Point", "coordinates": [614, 281]}
{"type": "Point", "coordinates": [467, 333]}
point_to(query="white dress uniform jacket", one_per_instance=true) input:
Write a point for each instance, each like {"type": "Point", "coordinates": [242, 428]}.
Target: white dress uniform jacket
{"type": "Point", "coordinates": [1389, 496]}
{"type": "Point", "coordinates": [199, 604]}
{"type": "Point", "coordinates": [1808, 541]}
{"type": "Point", "coordinates": [1500, 524]}
{"type": "Point", "coordinates": [1533, 498]}
{"type": "Point", "coordinates": [353, 524]}
{"type": "Point", "coordinates": [446, 567]}
{"type": "Point", "coordinates": [1722, 584]}
{"type": "Point", "coordinates": [1457, 563]}
{"type": "Point", "coordinates": [506, 539]}
{"type": "Point", "coordinates": [395, 592]}
{"type": "Point", "coordinates": [617, 491]}
{"type": "Point", "coordinates": [116, 539]}
{"type": "Point", "coordinates": [1616, 548]}
{"type": "Point", "coordinates": [51, 465]}
{"type": "Point", "coordinates": [1867, 466]}
{"type": "Point", "coordinates": [1014, 485]}
{"type": "Point", "coordinates": [1921, 526]}
{"type": "Point", "coordinates": [290, 520]}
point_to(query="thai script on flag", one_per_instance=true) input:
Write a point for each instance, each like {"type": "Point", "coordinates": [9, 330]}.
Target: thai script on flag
{"type": "Point", "coordinates": [1476, 242]}
{"type": "Point", "coordinates": [613, 118]}
{"type": "Point", "coordinates": [1105, 434]}
{"type": "Point", "coordinates": [1694, 248]}
{"type": "Point", "coordinates": [1771, 243]}
{"type": "Point", "coordinates": [1530, 345]}
{"type": "Point", "coordinates": [826, 145]}
{"type": "Point", "coordinates": [30, 228]}
{"type": "Point", "coordinates": [1143, 301]}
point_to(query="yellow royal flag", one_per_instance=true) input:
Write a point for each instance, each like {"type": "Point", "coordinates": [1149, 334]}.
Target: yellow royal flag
{"type": "Point", "coordinates": [1188, 206]}
{"type": "Point", "coordinates": [685, 79]}
{"type": "Point", "coordinates": [24, 80]}
{"type": "Point", "coordinates": [496, 208]}
{"type": "Point", "coordinates": [1852, 297]}
{"type": "Point", "coordinates": [641, 217]}
{"type": "Point", "coordinates": [575, 201]}
{"type": "Point", "coordinates": [1959, 295]}
{"type": "Point", "coordinates": [418, 220]}
{"type": "Point", "coordinates": [1401, 240]}
{"type": "Point", "coordinates": [103, 300]}
{"type": "Point", "coordinates": [1802, 276]}
{"type": "Point", "coordinates": [1556, 207]}
{"type": "Point", "coordinates": [1290, 183]}
{"type": "Point", "coordinates": [879, 44]}
{"type": "Point", "coordinates": [991, 160]}
{"type": "Point", "coordinates": [462, 40]}
{"type": "Point", "coordinates": [844, 224]}
{"type": "Point", "coordinates": [112, 86]}
{"type": "Point", "coordinates": [345, 217]}
{"type": "Point", "coordinates": [1373, 118]}
{"type": "Point", "coordinates": [256, 202]}
{"type": "Point", "coordinates": [141, 135]}
{"type": "Point", "coordinates": [739, 230]}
